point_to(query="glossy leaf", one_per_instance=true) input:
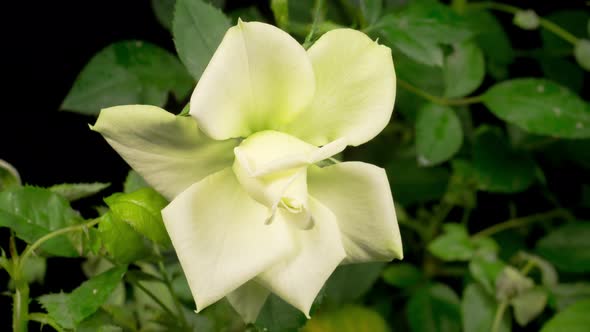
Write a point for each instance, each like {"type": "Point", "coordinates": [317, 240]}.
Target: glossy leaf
{"type": "Point", "coordinates": [127, 72]}
{"type": "Point", "coordinates": [417, 30]}
{"type": "Point", "coordinates": [564, 295]}
{"type": "Point", "coordinates": [164, 11]}
{"type": "Point", "coordinates": [121, 241]}
{"type": "Point", "coordinates": [582, 53]}
{"type": "Point", "coordinates": [438, 134]}
{"type": "Point", "coordinates": [68, 310]}
{"type": "Point", "coordinates": [540, 106]}
{"type": "Point", "coordinates": [485, 269]}
{"type": "Point", "coordinates": [198, 28]}
{"type": "Point", "coordinates": [34, 212]}
{"type": "Point", "coordinates": [141, 209]}
{"type": "Point", "coordinates": [464, 69]}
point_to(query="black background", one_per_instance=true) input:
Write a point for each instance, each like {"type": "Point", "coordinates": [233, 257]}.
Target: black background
{"type": "Point", "coordinates": [44, 46]}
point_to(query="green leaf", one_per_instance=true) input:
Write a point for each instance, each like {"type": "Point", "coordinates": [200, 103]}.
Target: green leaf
{"type": "Point", "coordinates": [540, 107]}
{"type": "Point", "coordinates": [198, 29]}
{"type": "Point", "coordinates": [127, 72]}
{"type": "Point", "coordinates": [349, 282]}
{"type": "Point", "coordinates": [493, 41]}
{"type": "Point", "coordinates": [133, 182]}
{"type": "Point", "coordinates": [277, 315]}
{"type": "Point", "coordinates": [438, 134]}
{"type": "Point", "coordinates": [567, 247]}
{"type": "Point", "coordinates": [573, 319]}
{"type": "Point", "coordinates": [76, 191]}
{"type": "Point", "coordinates": [497, 166]}
{"type": "Point", "coordinates": [346, 319]}
{"type": "Point", "coordinates": [564, 295]}
{"type": "Point", "coordinates": [582, 53]}
{"type": "Point", "coordinates": [68, 310]}
{"type": "Point", "coordinates": [141, 209]}
{"type": "Point", "coordinates": [464, 69]}
{"type": "Point", "coordinates": [434, 309]}
{"type": "Point", "coordinates": [164, 10]}
{"type": "Point", "coordinates": [403, 275]}
{"type": "Point", "coordinates": [412, 184]}
{"type": "Point", "coordinates": [9, 177]}
{"type": "Point", "coordinates": [479, 309]}
{"type": "Point", "coordinates": [453, 245]}
{"type": "Point", "coordinates": [121, 241]}
{"type": "Point", "coordinates": [417, 30]}
{"type": "Point", "coordinates": [529, 305]}
{"type": "Point", "coordinates": [34, 212]}
{"type": "Point", "coordinates": [485, 269]}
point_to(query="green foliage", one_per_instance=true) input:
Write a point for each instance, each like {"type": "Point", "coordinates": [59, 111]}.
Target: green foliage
{"type": "Point", "coordinates": [487, 160]}
{"type": "Point", "coordinates": [541, 107]}
{"type": "Point", "coordinates": [69, 310]}
{"type": "Point", "coordinates": [573, 319]}
{"type": "Point", "coordinates": [198, 29]}
{"type": "Point", "coordinates": [141, 210]}
{"type": "Point", "coordinates": [567, 247]}
{"type": "Point", "coordinates": [128, 72]}
{"type": "Point", "coordinates": [76, 191]}
{"type": "Point", "coordinates": [34, 212]}
{"type": "Point", "coordinates": [438, 134]}
{"type": "Point", "coordinates": [497, 166]}
{"type": "Point", "coordinates": [434, 309]}
{"type": "Point", "coordinates": [347, 319]}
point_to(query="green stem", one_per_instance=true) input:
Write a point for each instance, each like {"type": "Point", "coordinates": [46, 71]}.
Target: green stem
{"type": "Point", "coordinates": [437, 219]}
{"type": "Point", "coordinates": [438, 100]}
{"type": "Point", "coordinates": [546, 24]}
{"type": "Point", "coordinates": [20, 314]}
{"type": "Point", "coordinates": [20, 309]}
{"type": "Point", "coordinates": [152, 296]}
{"type": "Point", "coordinates": [498, 317]}
{"type": "Point", "coordinates": [168, 283]}
{"type": "Point", "coordinates": [519, 222]}
{"type": "Point", "coordinates": [29, 249]}
{"type": "Point", "coordinates": [45, 319]}
{"type": "Point", "coordinates": [319, 4]}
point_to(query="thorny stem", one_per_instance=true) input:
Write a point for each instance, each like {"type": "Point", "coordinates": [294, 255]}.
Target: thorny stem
{"type": "Point", "coordinates": [438, 100]}
{"type": "Point", "coordinates": [20, 309]}
{"type": "Point", "coordinates": [29, 250]}
{"type": "Point", "coordinates": [554, 28]}
{"type": "Point", "coordinates": [518, 222]}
